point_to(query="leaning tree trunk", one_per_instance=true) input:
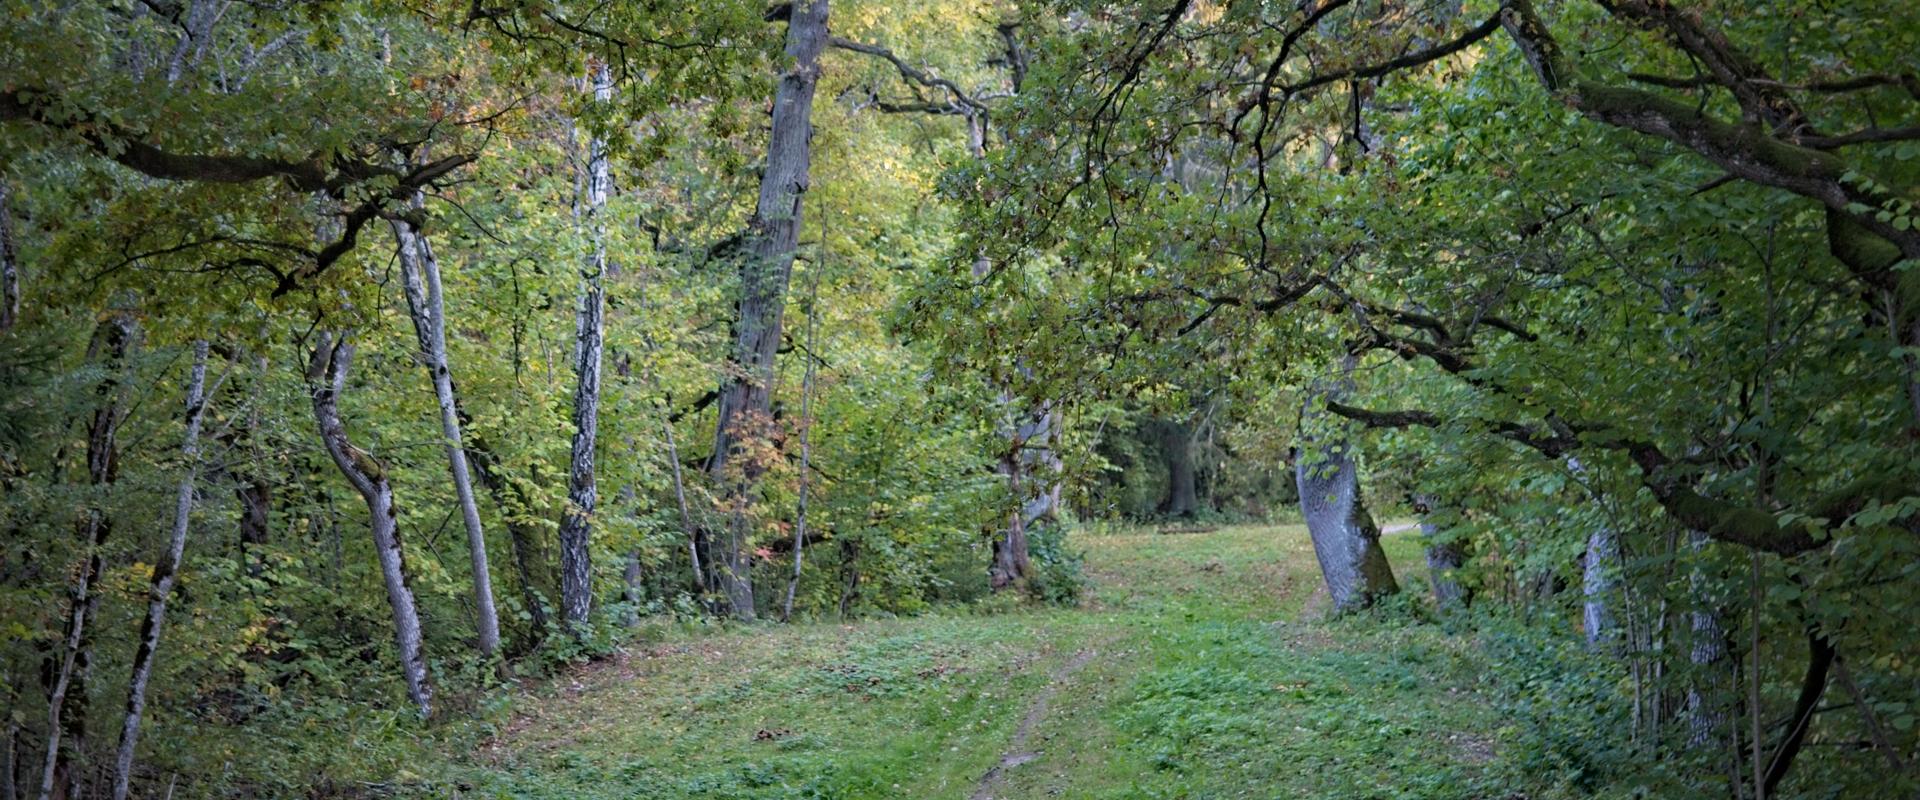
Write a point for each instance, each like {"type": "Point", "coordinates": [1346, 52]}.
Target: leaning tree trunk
{"type": "Point", "coordinates": [164, 572]}
{"type": "Point", "coordinates": [746, 397]}
{"type": "Point", "coordinates": [326, 380]}
{"type": "Point", "coordinates": [420, 272]}
{"type": "Point", "coordinates": [1345, 539]}
{"type": "Point", "coordinates": [66, 720]}
{"type": "Point", "coordinates": [576, 525]}
{"type": "Point", "coordinates": [1446, 554]}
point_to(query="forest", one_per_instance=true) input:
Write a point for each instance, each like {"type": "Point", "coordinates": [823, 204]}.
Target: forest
{"type": "Point", "coordinates": [979, 399]}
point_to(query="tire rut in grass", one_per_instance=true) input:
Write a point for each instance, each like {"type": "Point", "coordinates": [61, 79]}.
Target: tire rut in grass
{"type": "Point", "coordinates": [1017, 752]}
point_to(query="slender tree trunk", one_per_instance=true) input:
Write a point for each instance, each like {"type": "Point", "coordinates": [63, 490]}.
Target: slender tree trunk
{"type": "Point", "coordinates": [576, 526]}
{"type": "Point", "coordinates": [327, 380]}
{"type": "Point", "coordinates": [1445, 557]}
{"type": "Point", "coordinates": [9, 262]}
{"type": "Point", "coordinates": [745, 398]}
{"type": "Point", "coordinates": [420, 272]}
{"type": "Point", "coordinates": [806, 445]}
{"type": "Point", "coordinates": [1599, 585]}
{"type": "Point", "coordinates": [680, 499]}
{"type": "Point", "coordinates": [164, 572]}
{"type": "Point", "coordinates": [1345, 539]}
{"type": "Point", "coordinates": [66, 720]}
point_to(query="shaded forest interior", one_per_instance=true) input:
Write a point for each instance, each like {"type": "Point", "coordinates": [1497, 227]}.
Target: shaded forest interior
{"type": "Point", "coordinates": [451, 398]}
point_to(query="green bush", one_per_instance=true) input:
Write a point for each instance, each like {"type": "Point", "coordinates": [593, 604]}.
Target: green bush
{"type": "Point", "coordinates": [1059, 574]}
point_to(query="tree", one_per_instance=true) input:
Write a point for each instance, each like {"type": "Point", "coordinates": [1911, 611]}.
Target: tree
{"type": "Point", "coordinates": [576, 526]}
{"type": "Point", "coordinates": [326, 382]}
{"type": "Point", "coordinates": [420, 273]}
{"type": "Point", "coordinates": [746, 400]}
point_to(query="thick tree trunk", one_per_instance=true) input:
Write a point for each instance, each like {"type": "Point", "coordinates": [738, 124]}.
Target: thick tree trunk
{"type": "Point", "coordinates": [66, 720]}
{"type": "Point", "coordinates": [1176, 446]}
{"type": "Point", "coordinates": [1445, 556]}
{"type": "Point", "coordinates": [164, 572]}
{"type": "Point", "coordinates": [9, 262]}
{"type": "Point", "coordinates": [1345, 539]}
{"type": "Point", "coordinates": [327, 379]}
{"type": "Point", "coordinates": [576, 525]}
{"type": "Point", "coordinates": [745, 398]}
{"type": "Point", "coordinates": [420, 272]}
{"type": "Point", "coordinates": [1706, 709]}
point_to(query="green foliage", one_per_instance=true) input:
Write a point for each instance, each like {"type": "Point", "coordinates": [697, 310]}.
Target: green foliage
{"type": "Point", "coordinates": [1059, 573]}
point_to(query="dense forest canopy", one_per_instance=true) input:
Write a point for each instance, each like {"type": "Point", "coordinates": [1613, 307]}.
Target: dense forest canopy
{"type": "Point", "coordinates": [364, 362]}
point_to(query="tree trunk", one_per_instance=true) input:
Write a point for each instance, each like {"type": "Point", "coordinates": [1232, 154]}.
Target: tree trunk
{"type": "Point", "coordinates": [164, 571]}
{"type": "Point", "coordinates": [576, 525]}
{"type": "Point", "coordinates": [806, 444]}
{"type": "Point", "coordinates": [745, 399]}
{"type": "Point", "coordinates": [1345, 539]}
{"type": "Point", "coordinates": [520, 536]}
{"type": "Point", "coordinates": [1706, 709]}
{"type": "Point", "coordinates": [66, 721]}
{"type": "Point", "coordinates": [420, 272]}
{"type": "Point", "coordinates": [326, 380]}
{"type": "Point", "coordinates": [1445, 556]}
{"type": "Point", "coordinates": [9, 262]}
{"type": "Point", "coordinates": [1176, 447]}
{"type": "Point", "coordinates": [1599, 570]}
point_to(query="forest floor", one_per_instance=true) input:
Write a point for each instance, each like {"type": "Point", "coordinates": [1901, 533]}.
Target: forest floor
{"type": "Point", "coordinates": [1199, 667]}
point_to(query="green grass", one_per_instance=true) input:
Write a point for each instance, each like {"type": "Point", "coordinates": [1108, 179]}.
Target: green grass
{"type": "Point", "coordinates": [1203, 680]}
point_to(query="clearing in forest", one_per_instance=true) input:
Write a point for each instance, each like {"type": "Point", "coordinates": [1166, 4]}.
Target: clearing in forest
{"type": "Point", "coordinates": [1189, 673]}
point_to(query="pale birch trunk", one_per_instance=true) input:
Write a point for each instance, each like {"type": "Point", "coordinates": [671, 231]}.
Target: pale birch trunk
{"type": "Point", "coordinates": [583, 494]}
{"type": "Point", "coordinates": [1345, 538]}
{"type": "Point", "coordinates": [326, 380]}
{"type": "Point", "coordinates": [1599, 570]}
{"type": "Point", "coordinates": [420, 272]}
{"type": "Point", "coordinates": [164, 572]}
{"type": "Point", "coordinates": [745, 398]}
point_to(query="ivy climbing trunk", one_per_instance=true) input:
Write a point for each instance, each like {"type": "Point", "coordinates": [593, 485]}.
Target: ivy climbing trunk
{"type": "Point", "coordinates": [165, 569]}
{"type": "Point", "coordinates": [326, 381]}
{"type": "Point", "coordinates": [576, 524]}
{"type": "Point", "coordinates": [420, 273]}
{"type": "Point", "coordinates": [746, 395]}
{"type": "Point", "coordinates": [1345, 539]}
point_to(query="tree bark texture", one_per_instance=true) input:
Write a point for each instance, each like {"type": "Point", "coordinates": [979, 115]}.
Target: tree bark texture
{"type": "Point", "coordinates": [576, 525]}
{"type": "Point", "coordinates": [1176, 447]}
{"type": "Point", "coordinates": [745, 397]}
{"type": "Point", "coordinates": [1345, 539]}
{"type": "Point", "coordinates": [327, 380]}
{"type": "Point", "coordinates": [1706, 708]}
{"type": "Point", "coordinates": [420, 272]}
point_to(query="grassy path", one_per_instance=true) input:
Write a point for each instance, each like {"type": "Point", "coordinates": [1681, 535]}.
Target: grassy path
{"type": "Point", "coordinates": [1187, 674]}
